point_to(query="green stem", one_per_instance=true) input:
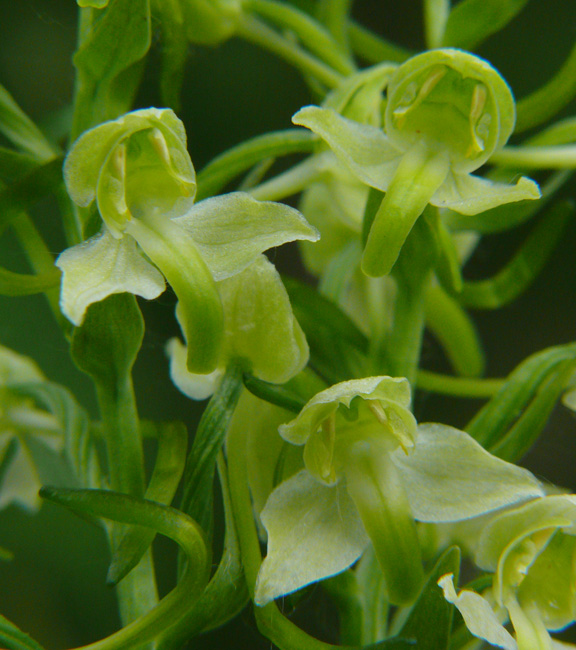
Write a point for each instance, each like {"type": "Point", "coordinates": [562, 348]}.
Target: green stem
{"type": "Point", "coordinates": [290, 182]}
{"type": "Point", "coordinates": [458, 386]}
{"type": "Point", "coordinates": [257, 32]}
{"type": "Point", "coordinates": [137, 592]}
{"type": "Point", "coordinates": [220, 171]}
{"type": "Point", "coordinates": [336, 16]}
{"type": "Point", "coordinates": [559, 157]}
{"type": "Point", "coordinates": [436, 14]}
{"type": "Point", "coordinates": [452, 327]}
{"type": "Point", "coordinates": [405, 339]}
{"type": "Point", "coordinates": [375, 49]}
{"type": "Point", "coordinates": [41, 261]}
{"type": "Point", "coordinates": [312, 35]}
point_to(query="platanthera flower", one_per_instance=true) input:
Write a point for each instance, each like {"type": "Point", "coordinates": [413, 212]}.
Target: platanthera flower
{"type": "Point", "coordinates": [138, 171]}
{"type": "Point", "coordinates": [447, 112]}
{"type": "Point", "coordinates": [26, 432]}
{"type": "Point", "coordinates": [532, 552]}
{"type": "Point", "coordinates": [260, 333]}
{"type": "Point", "coordinates": [370, 472]}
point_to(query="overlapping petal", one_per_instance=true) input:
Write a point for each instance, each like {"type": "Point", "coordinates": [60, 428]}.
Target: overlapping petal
{"type": "Point", "coordinates": [100, 267]}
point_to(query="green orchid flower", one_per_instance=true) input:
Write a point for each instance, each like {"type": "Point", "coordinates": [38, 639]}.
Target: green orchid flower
{"type": "Point", "coordinates": [138, 171]}
{"type": "Point", "coordinates": [260, 332]}
{"type": "Point", "coordinates": [26, 433]}
{"type": "Point", "coordinates": [370, 473]}
{"type": "Point", "coordinates": [447, 112]}
{"type": "Point", "coordinates": [532, 552]}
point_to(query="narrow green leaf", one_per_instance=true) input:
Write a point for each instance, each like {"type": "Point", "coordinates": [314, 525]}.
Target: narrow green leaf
{"type": "Point", "coordinates": [472, 21]}
{"type": "Point", "coordinates": [21, 284]}
{"type": "Point", "coordinates": [197, 497]}
{"type": "Point", "coordinates": [455, 331]}
{"type": "Point", "coordinates": [14, 639]}
{"type": "Point", "coordinates": [336, 345]}
{"type": "Point", "coordinates": [520, 438]}
{"type": "Point", "coordinates": [21, 131]}
{"type": "Point", "coordinates": [430, 619]}
{"type": "Point", "coordinates": [14, 164]}
{"type": "Point", "coordinates": [493, 421]}
{"type": "Point", "coordinates": [225, 167]}
{"type": "Point", "coordinates": [168, 468]}
{"type": "Point", "coordinates": [25, 192]}
{"type": "Point", "coordinates": [164, 520]}
{"type": "Point", "coordinates": [551, 98]}
{"type": "Point", "coordinates": [524, 267]}
{"type": "Point", "coordinates": [225, 595]}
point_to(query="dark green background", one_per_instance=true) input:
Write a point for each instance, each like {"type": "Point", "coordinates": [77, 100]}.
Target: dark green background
{"type": "Point", "coordinates": [54, 589]}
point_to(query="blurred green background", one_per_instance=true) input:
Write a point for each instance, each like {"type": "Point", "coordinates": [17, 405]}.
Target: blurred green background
{"type": "Point", "coordinates": [54, 589]}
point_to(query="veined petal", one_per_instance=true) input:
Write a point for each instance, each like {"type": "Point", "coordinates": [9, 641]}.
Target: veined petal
{"type": "Point", "coordinates": [469, 194]}
{"type": "Point", "coordinates": [364, 149]}
{"type": "Point", "coordinates": [230, 231]}
{"type": "Point", "coordinates": [314, 532]}
{"type": "Point", "coordinates": [479, 617]}
{"type": "Point", "coordinates": [100, 267]}
{"type": "Point", "coordinates": [197, 387]}
{"type": "Point", "coordinates": [449, 476]}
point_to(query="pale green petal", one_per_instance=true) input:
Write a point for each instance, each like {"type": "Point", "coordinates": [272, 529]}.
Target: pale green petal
{"type": "Point", "coordinates": [16, 368]}
{"type": "Point", "coordinates": [449, 476]}
{"type": "Point", "coordinates": [100, 267]}
{"type": "Point", "coordinates": [569, 399]}
{"type": "Point", "coordinates": [197, 387]}
{"type": "Point", "coordinates": [230, 231]}
{"type": "Point", "coordinates": [364, 149]}
{"type": "Point", "coordinates": [90, 151]}
{"type": "Point", "coordinates": [555, 511]}
{"type": "Point", "coordinates": [469, 194]}
{"type": "Point", "coordinates": [21, 482]}
{"type": "Point", "coordinates": [388, 389]}
{"type": "Point", "coordinates": [314, 532]}
{"type": "Point", "coordinates": [260, 327]}
{"type": "Point", "coordinates": [479, 617]}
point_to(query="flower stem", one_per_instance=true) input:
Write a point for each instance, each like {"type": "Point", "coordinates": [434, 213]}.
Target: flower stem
{"type": "Point", "coordinates": [224, 168]}
{"type": "Point", "coordinates": [458, 386]}
{"type": "Point", "coordinates": [257, 32]}
{"type": "Point", "coordinates": [311, 33]}
{"type": "Point", "coordinates": [289, 182]}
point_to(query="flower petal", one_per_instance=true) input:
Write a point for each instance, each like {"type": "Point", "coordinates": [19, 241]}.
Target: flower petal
{"type": "Point", "coordinates": [100, 267]}
{"type": "Point", "coordinates": [260, 326]}
{"type": "Point", "coordinates": [364, 149]}
{"type": "Point", "coordinates": [479, 617]}
{"type": "Point", "coordinates": [195, 386]}
{"type": "Point", "coordinates": [230, 231]}
{"type": "Point", "coordinates": [469, 194]}
{"type": "Point", "coordinates": [388, 389]}
{"type": "Point", "coordinates": [449, 476]}
{"type": "Point", "coordinates": [313, 532]}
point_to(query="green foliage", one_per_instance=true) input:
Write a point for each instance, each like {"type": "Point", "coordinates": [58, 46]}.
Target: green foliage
{"type": "Point", "coordinates": [310, 448]}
